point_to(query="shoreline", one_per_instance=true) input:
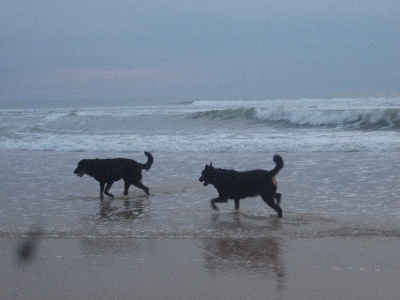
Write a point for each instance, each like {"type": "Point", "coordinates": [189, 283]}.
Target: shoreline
{"type": "Point", "coordinates": [148, 268]}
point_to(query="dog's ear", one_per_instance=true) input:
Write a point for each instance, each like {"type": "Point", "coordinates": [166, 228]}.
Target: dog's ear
{"type": "Point", "coordinates": [210, 164]}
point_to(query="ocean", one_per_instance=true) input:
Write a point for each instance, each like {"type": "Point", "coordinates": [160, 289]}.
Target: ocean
{"type": "Point", "coordinates": [304, 125]}
{"type": "Point", "coordinates": [340, 177]}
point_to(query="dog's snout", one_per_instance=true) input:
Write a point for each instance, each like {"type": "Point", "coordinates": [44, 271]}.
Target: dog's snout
{"type": "Point", "coordinates": [79, 171]}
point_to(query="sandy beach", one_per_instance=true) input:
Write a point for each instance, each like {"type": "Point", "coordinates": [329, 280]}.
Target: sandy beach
{"type": "Point", "coordinates": [107, 268]}
{"type": "Point", "coordinates": [338, 239]}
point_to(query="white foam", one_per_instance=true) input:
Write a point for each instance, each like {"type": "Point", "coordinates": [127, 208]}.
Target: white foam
{"type": "Point", "coordinates": [55, 116]}
{"type": "Point", "coordinates": [216, 142]}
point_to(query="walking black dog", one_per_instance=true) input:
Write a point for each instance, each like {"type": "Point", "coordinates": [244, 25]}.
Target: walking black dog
{"type": "Point", "coordinates": [107, 171]}
{"type": "Point", "coordinates": [236, 185]}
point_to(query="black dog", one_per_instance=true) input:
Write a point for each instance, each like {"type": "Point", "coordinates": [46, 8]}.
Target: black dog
{"type": "Point", "coordinates": [107, 171]}
{"type": "Point", "coordinates": [235, 185]}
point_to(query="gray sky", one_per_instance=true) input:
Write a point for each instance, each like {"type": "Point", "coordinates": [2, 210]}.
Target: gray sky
{"type": "Point", "coordinates": [185, 50]}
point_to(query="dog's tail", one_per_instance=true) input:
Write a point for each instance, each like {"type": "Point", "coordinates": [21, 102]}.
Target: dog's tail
{"type": "Point", "coordinates": [149, 162]}
{"type": "Point", "coordinates": [279, 165]}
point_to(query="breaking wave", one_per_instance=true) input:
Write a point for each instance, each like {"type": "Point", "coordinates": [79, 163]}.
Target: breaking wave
{"type": "Point", "coordinates": [226, 114]}
{"type": "Point", "coordinates": [350, 116]}
{"type": "Point", "coordinates": [356, 119]}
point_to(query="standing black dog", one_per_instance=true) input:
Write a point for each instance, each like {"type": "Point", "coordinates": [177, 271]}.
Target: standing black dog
{"type": "Point", "coordinates": [236, 185]}
{"type": "Point", "coordinates": [107, 171]}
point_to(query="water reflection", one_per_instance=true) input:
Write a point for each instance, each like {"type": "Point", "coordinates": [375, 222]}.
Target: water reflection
{"type": "Point", "coordinates": [260, 256]}
{"type": "Point", "coordinates": [27, 249]}
{"type": "Point", "coordinates": [112, 209]}
{"type": "Point", "coordinates": [244, 221]}
{"type": "Point", "coordinates": [256, 255]}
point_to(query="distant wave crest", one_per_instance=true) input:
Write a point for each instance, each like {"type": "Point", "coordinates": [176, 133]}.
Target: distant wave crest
{"type": "Point", "coordinates": [385, 118]}
{"type": "Point", "coordinates": [226, 114]}
{"type": "Point", "coordinates": [357, 119]}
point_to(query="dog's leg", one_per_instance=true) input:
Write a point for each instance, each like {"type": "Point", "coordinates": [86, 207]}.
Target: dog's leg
{"type": "Point", "coordinates": [127, 184]}
{"type": "Point", "coordinates": [108, 186]}
{"type": "Point", "coordinates": [218, 200]}
{"type": "Point", "coordinates": [237, 204]}
{"type": "Point", "coordinates": [213, 206]}
{"type": "Point", "coordinates": [101, 190]}
{"type": "Point", "coordinates": [140, 185]}
{"type": "Point", "coordinates": [269, 199]}
{"type": "Point", "coordinates": [278, 197]}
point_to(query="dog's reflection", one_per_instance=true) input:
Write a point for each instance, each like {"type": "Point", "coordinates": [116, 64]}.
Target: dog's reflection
{"type": "Point", "coordinates": [110, 210]}
{"type": "Point", "coordinates": [241, 221]}
{"type": "Point", "coordinates": [261, 256]}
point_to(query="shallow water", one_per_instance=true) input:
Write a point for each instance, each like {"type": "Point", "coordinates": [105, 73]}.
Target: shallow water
{"type": "Point", "coordinates": [324, 195]}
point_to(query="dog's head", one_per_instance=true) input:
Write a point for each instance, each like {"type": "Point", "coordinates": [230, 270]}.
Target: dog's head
{"type": "Point", "coordinates": [80, 169]}
{"type": "Point", "coordinates": [208, 175]}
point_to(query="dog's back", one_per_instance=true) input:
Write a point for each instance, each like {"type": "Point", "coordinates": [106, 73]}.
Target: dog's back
{"type": "Point", "coordinates": [234, 184]}
{"type": "Point", "coordinates": [113, 169]}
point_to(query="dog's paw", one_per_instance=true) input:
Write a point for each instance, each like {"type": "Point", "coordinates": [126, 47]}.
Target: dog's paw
{"type": "Point", "coordinates": [214, 207]}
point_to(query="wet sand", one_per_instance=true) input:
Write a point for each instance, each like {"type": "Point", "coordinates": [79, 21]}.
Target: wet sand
{"type": "Point", "coordinates": [338, 239]}
{"type": "Point", "coordinates": [263, 268]}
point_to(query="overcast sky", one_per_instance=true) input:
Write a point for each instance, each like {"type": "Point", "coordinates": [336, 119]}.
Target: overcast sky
{"type": "Point", "coordinates": [183, 49]}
